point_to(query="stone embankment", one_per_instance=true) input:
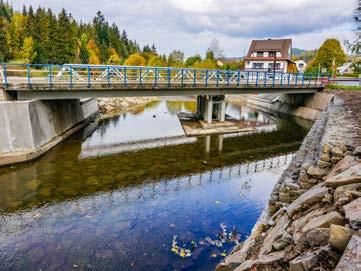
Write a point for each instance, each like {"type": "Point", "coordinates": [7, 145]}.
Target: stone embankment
{"type": "Point", "coordinates": [313, 220]}
{"type": "Point", "coordinates": [112, 105]}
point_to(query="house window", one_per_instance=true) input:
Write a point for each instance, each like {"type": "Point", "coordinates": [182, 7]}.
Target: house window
{"type": "Point", "coordinates": [257, 66]}
{"type": "Point", "coordinates": [278, 66]}
{"type": "Point", "coordinates": [271, 54]}
{"type": "Point", "coordinates": [259, 54]}
{"type": "Point", "coordinates": [301, 65]}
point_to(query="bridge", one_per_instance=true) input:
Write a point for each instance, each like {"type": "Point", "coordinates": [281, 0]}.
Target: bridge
{"type": "Point", "coordinates": [69, 81]}
{"type": "Point", "coordinates": [74, 81]}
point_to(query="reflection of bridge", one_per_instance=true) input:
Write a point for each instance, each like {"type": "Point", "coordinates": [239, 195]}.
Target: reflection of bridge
{"type": "Point", "coordinates": [82, 81]}
{"type": "Point", "coordinates": [163, 188]}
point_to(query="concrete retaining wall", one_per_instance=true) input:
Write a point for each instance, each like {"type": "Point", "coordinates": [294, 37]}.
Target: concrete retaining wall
{"type": "Point", "coordinates": [306, 106]}
{"type": "Point", "coordinates": [30, 128]}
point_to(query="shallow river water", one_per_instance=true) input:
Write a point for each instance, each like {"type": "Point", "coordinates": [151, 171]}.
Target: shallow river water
{"type": "Point", "coordinates": [116, 198]}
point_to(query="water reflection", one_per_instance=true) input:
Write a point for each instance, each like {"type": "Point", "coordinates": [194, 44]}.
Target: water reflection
{"type": "Point", "coordinates": [71, 209]}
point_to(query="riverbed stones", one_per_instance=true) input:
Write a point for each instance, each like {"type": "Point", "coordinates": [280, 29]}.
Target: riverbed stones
{"type": "Point", "coordinates": [344, 164]}
{"type": "Point", "coordinates": [353, 213]}
{"type": "Point", "coordinates": [350, 175]}
{"type": "Point", "coordinates": [321, 221]}
{"type": "Point", "coordinates": [316, 172]}
{"type": "Point", "coordinates": [312, 196]}
{"type": "Point", "coordinates": [318, 237]}
{"type": "Point", "coordinates": [314, 259]}
{"type": "Point", "coordinates": [340, 236]}
{"type": "Point", "coordinates": [357, 152]}
{"type": "Point", "coordinates": [351, 258]}
{"type": "Point", "coordinates": [273, 234]}
{"type": "Point", "coordinates": [346, 193]}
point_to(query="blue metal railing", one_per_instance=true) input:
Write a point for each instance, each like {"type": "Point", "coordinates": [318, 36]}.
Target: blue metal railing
{"type": "Point", "coordinates": [96, 76]}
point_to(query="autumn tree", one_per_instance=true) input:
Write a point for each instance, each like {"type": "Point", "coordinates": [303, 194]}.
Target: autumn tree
{"type": "Point", "coordinates": [135, 60]}
{"type": "Point", "coordinates": [114, 57]}
{"type": "Point", "coordinates": [330, 51]}
{"type": "Point", "coordinates": [28, 52]}
{"type": "Point", "coordinates": [93, 52]}
{"type": "Point", "coordinates": [193, 59]}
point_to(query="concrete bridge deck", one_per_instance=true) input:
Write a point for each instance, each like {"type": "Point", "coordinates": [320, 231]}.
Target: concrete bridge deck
{"type": "Point", "coordinates": [27, 81]}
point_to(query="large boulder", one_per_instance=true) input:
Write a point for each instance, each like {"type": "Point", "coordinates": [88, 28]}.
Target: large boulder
{"type": "Point", "coordinates": [348, 176]}
{"type": "Point", "coordinates": [351, 258]}
{"type": "Point", "coordinates": [341, 166]}
{"type": "Point", "coordinates": [312, 196]}
{"type": "Point", "coordinates": [353, 213]}
{"type": "Point", "coordinates": [340, 236]}
{"type": "Point", "coordinates": [322, 221]}
{"type": "Point", "coordinates": [318, 237]}
{"type": "Point", "coordinates": [346, 193]}
{"type": "Point", "coordinates": [316, 172]}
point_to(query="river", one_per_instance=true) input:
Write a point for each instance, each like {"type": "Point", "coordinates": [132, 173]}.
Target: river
{"type": "Point", "coordinates": [136, 194]}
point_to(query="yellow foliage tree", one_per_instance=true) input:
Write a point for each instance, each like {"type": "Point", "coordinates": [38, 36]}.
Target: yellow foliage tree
{"type": "Point", "coordinates": [156, 61]}
{"type": "Point", "coordinates": [27, 53]}
{"type": "Point", "coordinates": [93, 52]}
{"type": "Point", "coordinates": [114, 57]}
{"type": "Point", "coordinates": [135, 60]}
{"type": "Point", "coordinates": [206, 64]}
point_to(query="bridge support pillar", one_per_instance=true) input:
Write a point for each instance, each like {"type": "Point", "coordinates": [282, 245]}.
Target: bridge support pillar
{"type": "Point", "coordinates": [211, 107]}
{"type": "Point", "coordinates": [222, 111]}
{"type": "Point", "coordinates": [209, 111]}
{"type": "Point", "coordinates": [4, 96]}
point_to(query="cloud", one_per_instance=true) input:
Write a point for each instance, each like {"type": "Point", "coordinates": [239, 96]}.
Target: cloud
{"type": "Point", "coordinates": [189, 25]}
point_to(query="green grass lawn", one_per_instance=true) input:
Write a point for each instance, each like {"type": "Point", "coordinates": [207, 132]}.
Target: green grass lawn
{"type": "Point", "coordinates": [341, 87]}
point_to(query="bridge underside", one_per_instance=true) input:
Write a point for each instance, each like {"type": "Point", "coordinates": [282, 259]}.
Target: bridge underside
{"type": "Point", "coordinates": [77, 93]}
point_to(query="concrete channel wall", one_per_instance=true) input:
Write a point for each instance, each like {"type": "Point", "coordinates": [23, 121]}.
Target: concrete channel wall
{"type": "Point", "coordinates": [305, 106]}
{"type": "Point", "coordinates": [30, 128]}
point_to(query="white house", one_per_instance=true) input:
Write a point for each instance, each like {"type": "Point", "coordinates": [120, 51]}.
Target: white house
{"type": "Point", "coordinates": [301, 65]}
{"type": "Point", "coordinates": [264, 54]}
{"type": "Point", "coordinates": [345, 68]}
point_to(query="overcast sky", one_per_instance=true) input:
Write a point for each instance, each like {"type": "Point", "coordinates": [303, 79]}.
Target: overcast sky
{"type": "Point", "coordinates": [190, 25]}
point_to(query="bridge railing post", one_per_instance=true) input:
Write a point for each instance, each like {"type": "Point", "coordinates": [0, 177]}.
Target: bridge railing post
{"type": "Point", "coordinates": [155, 76]}
{"type": "Point", "coordinates": [28, 75]}
{"type": "Point", "coordinates": [182, 81]}
{"type": "Point", "coordinates": [206, 83]}
{"type": "Point", "coordinates": [265, 79]}
{"type": "Point", "coordinates": [256, 79]}
{"type": "Point", "coordinates": [274, 79]}
{"type": "Point", "coordinates": [247, 78]}
{"type": "Point", "coordinates": [89, 77]}
{"type": "Point", "coordinates": [296, 79]}
{"type": "Point", "coordinates": [228, 77]}
{"type": "Point", "coordinates": [289, 79]}
{"type": "Point", "coordinates": [238, 78]}
{"type": "Point", "coordinates": [281, 83]}
{"type": "Point", "coordinates": [169, 76]}
{"type": "Point", "coordinates": [108, 76]}
{"type": "Point", "coordinates": [71, 77]}
{"type": "Point", "coordinates": [194, 77]}
{"type": "Point", "coordinates": [125, 76]}
{"type": "Point", "coordinates": [5, 76]}
{"type": "Point", "coordinates": [217, 78]}
{"type": "Point", "coordinates": [140, 76]}
{"type": "Point", "coordinates": [50, 76]}
{"type": "Point", "coordinates": [303, 79]}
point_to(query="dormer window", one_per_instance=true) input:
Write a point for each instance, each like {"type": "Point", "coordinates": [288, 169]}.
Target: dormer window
{"type": "Point", "coordinates": [271, 54]}
{"type": "Point", "coordinates": [259, 54]}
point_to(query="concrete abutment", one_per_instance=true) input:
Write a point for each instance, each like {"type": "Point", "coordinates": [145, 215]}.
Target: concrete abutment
{"type": "Point", "coordinates": [30, 128]}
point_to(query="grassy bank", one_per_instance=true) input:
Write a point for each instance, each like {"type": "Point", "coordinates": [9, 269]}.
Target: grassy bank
{"type": "Point", "coordinates": [341, 87]}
